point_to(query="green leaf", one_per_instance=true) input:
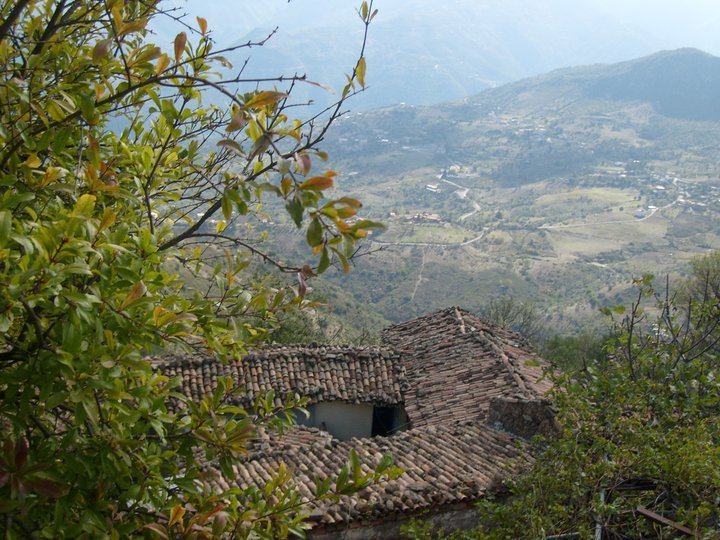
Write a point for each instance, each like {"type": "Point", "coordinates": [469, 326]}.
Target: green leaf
{"type": "Point", "coordinates": [5, 226]}
{"type": "Point", "coordinates": [295, 208]}
{"type": "Point", "coordinates": [367, 224]}
{"type": "Point", "coordinates": [314, 233]}
{"type": "Point", "coordinates": [226, 205]}
{"type": "Point", "coordinates": [355, 465]}
{"type": "Point", "coordinates": [159, 530]}
{"type": "Point", "coordinates": [87, 107]}
{"type": "Point", "coordinates": [324, 263]}
{"type": "Point", "coordinates": [385, 462]}
{"type": "Point", "coordinates": [360, 71]}
{"type": "Point", "coordinates": [84, 206]}
{"type": "Point", "coordinates": [342, 480]}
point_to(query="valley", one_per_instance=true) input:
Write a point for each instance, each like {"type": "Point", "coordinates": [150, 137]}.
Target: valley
{"type": "Point", "coordinates": [544, 190]}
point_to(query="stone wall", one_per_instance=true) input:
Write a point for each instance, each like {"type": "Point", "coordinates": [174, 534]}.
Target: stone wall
{"type": "Point", "coordinates": [523, 417]}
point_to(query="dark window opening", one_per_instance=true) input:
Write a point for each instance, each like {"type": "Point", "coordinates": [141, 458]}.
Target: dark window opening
{"type": "Point", "coordinates": [384, 423]}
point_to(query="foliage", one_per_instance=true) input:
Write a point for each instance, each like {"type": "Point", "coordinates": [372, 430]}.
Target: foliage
{"type": "Point", "coordinates": [704, 280]}
{"type": "Point", "coordinates": [522, 317]}
{"type": "Point", "coordinates": [573, 352]}
{"type": "Point", "coordinates": [124, 171]}
{"type": "Point", "coordinates": [640, 430]}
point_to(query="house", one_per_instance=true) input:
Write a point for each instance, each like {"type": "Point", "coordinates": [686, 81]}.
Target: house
{"type": "Point", "coordinates": [452, 397]}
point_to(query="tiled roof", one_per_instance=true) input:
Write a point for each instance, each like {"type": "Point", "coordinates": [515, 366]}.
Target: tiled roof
{"type": "Point", "coordinates": [456, 363]}
{"type": "Point", "coordinates": [445, 367]}
{"type": "Point", "coordinates": [443, 464]}
{"type": "Point", "coordinates": [349, 374]}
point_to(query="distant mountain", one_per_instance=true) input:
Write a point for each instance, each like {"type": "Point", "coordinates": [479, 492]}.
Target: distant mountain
{"type": "Point", "coordinates": [679, 84]}
{"type": "Point", "coordinates": [427, 52]}
{"type": "Point", "coordinates": [583, 115]}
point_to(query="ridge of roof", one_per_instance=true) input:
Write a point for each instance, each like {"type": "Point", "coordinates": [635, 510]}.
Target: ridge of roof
{"type": "Point", "coordinates": [456, 362]}
{"type": "Point", "coordinates": [270, 350]}
{"type": "Point", "coordinates": [350, 374]}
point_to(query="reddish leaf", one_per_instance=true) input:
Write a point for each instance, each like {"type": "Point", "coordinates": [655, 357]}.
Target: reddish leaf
{"type": "Point", "coordinates": [176, 516]}
{"type": "Point", "coordinates": [354, 203]}
{"type": "Point", "coordinates": [317, 182]}
{"type": "Point", "coordinates": [264, 98]}
{"type": "Point", "coordinates": [303, 163]}
{"type": "Point", "coordinates": [46, 488]}
{"type": "Point", "coordinates": [203, 25]}
{"type": "Point", "coordinates": [302, 286]}
{"type": "Point", "coordinates": [232, 145]}
{"type": "Point", "coordinates": [180, 41]}
{"type": "Point", "coordinates": [101, 49]}
{"type": "Point", "coordinates": [308, 271]}
{"type": "Point", "coordinates": [346, 212]}
{"type": "Point", "coordinates": [162, 64]}
{"type": "Point", "coordinates": [138, 290]}
{"type": "Point", "coordinates": [21, 453]}
{"type": "Point", "coordinates": [321, 85]}
{"type": "Point", "coordinates": [239, 120]}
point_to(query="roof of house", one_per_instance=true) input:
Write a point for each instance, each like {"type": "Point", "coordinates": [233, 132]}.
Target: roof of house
{"type": "Point", "coordinates": [456, 363]}
{"type": "Point", "coordinates": [442, 464]}
{"type": "Point", "coordinates": [349, 374]}
{"type": "Point", "coordinates": [445, 368]}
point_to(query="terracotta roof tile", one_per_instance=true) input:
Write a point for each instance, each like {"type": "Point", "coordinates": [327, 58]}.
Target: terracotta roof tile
{"type": "Point", "coordinates": [446, 367]}
{"type": "Point", "coordinates": [456, 363]}
{"type": "Point", "coordinates": [349, 374]}
{"type": "Point", "coordinates": [443, 464]}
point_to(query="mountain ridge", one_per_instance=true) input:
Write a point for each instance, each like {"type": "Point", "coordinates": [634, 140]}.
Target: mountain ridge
{"type": "Point", "coordinates": [680, 83]}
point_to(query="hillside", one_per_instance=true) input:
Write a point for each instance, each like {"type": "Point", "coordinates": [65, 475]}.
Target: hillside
{"type": "Point", "coordinates": [558, 189]}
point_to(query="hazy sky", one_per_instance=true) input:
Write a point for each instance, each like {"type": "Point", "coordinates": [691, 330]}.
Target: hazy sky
{"type": "Point", "coordinates": [674, 23]}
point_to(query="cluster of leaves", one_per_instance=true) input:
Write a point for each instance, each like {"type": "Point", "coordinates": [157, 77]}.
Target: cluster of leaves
{"type": "Point", "coordinates": [640, 431]}
{"type": "Point", "coordinates": [121, 174]}
{"type": "Point", "coordinates": [524, 318]}
{"type": "Point", "coordinates": [572, 352]}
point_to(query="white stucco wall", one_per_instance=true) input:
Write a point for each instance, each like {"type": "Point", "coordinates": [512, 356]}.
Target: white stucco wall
{"type": "Point", "coordinates": [342, 420]}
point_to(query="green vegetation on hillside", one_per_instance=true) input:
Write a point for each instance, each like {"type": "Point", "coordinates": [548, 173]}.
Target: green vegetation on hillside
{"type": "Point", "coordinates": [638, 453]}
{"type": "Point", "coordinates": [564, 194]}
